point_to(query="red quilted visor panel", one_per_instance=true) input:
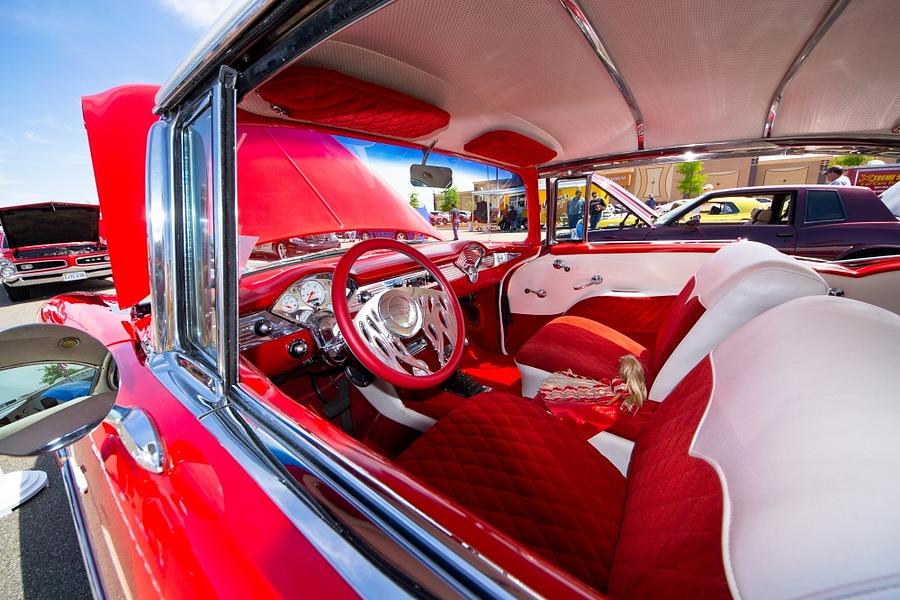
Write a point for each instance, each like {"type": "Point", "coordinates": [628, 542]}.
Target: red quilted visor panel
{"type": "Point", "coordinates": [528, 475]}
{"type": "Point", "coordinates": [330, 98]}
{"type": "Point", "coordinates": [511, 148]}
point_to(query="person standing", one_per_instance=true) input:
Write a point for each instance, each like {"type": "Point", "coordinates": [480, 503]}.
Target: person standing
{"type": "Point", "coordinates": [575, 209]}
{"type": "Point", "coordinates": [835, 176]}
{"type": "Point", "coordinates": [651, 201]}
{"type": "Point", "coordinates": [513, 216]}
{"type": "Point", "coordinates": [596, 207]}
{"type": "Point", "coordinates": [454, 221]}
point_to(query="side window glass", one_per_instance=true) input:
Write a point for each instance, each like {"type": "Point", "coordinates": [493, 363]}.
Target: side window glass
{"type": "Point", "coordinates": [199, 234]}
{"type": "Point", "coordinates": [570, 206]}
{"type": "Point", "coordinates": [823, 205]}
{"type": "Point", "coordinates": [784, 204]}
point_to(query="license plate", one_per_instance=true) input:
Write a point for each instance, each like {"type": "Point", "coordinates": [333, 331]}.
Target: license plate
{"type": "Point", "coordinates": [74, 276]}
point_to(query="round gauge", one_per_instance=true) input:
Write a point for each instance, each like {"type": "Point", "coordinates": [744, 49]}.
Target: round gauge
{"type": "Point", "coordinates": [289, 303]}
{"type": "Point", "coordinates": [313, 292]}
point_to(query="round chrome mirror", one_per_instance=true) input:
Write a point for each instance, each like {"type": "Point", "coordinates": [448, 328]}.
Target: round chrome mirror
{"type": "Point", "coordinates": [56, 385]}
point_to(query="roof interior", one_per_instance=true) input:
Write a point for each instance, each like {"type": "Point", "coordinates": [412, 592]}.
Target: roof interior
{"type": "Point", "coordinates": [700, 71]}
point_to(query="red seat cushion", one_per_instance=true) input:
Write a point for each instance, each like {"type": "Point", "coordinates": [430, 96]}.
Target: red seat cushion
{"type": "Point", "coordinates": [526, 474]}
{"type": "Point", "coordinates": [586, 347]}
{"type": "Point", "coordinates": [670, 543]}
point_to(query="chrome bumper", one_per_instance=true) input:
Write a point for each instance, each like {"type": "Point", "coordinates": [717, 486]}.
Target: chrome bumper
{"type": "Point", "coordinates": [42, 277]}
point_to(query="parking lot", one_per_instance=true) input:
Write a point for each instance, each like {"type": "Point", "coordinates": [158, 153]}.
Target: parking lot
{"type": "Point", "coordinates": [39, 555]}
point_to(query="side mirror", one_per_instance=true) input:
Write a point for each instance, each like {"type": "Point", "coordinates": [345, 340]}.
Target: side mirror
{"type": "Point", "coordinates": [430, 176]}
{"type": "Point", "coordinates": [694, 220]}
{"type": "Point", "coordinates": [56, 385]}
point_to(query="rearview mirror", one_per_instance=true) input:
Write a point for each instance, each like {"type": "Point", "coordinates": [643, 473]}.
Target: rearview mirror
{"type": "Point", "coordinates": [430, 176]}
{"type": "Point", "coordinates": [56, 385]}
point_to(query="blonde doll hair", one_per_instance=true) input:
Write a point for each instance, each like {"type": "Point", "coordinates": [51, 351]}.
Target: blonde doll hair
{"type": "Point", "coordinates": [632, 373]}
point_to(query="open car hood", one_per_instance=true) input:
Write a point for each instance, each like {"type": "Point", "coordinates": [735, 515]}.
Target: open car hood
{"type": "Point", "coordinates": [291, 182]}
{"type": "Point", "coordinates": [50, 223]}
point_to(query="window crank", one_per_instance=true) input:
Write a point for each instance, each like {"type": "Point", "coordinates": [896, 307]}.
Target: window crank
{"type": "Point", "coordinates": [538, 293]}
{"type": "Point", "coordinates": [595, 280]}
{"type": "Point", "coordinates": [559, 264]}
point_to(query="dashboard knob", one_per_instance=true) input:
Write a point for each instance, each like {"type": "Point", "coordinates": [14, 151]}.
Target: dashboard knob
{"type": "Point", "coordinates": [364, 296]}
{"type": "Point", "coordinates": [297, 348]}
{"type": "Point", "coordinates": [263, 327]}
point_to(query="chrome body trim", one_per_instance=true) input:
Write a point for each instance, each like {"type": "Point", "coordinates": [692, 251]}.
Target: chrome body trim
{"type": "Point", "coordinates": [212, 49]}
{"type": "Point", "coordinates": [161, 237]}
{"type": "Point", "coordinates": [821, 29]}
{"type": "Point", "coordinates": [602, 51]}
{"type": "Point", "coordinates": [138, 434]}
{"type": "Point", "coordinates": [84, 541]}
{"type": "Point", "coordinates": [850, 143]}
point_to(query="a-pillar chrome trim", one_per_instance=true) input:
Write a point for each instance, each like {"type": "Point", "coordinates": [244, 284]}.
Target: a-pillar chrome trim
{"type": "Point", "coordinates": [161, 236]}
{"type": "Point", "coordinates": [602, 51]}
{"type": "Point", "coordinates": [821, 29]}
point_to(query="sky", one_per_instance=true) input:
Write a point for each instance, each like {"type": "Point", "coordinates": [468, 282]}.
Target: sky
{"type": "Point", "coordinates": [58, 51]}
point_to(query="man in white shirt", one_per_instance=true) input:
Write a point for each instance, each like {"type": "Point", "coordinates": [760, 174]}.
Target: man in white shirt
{"type": "Point", "coordinates": [835, 176]}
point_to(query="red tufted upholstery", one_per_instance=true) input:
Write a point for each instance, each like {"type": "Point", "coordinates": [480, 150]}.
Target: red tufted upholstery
{"type": "Point", "coordinates": [685, 313]}
{"type": "Point", "coordinates": [330, 98]}
{"type": "Point", "coordinates": [658, 535]}
{"type": "Point", "coordinates": [670, 542]}
{"type": "Point", "coordinates": [585, 346]}
{"type": "Point", "coordinates": [510, 147]}
{"type": "Point", "coordinates": [525, 473]}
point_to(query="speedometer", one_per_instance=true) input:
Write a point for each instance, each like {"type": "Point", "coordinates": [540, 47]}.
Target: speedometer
{"type": "Point", "coordinates": [313, 292]}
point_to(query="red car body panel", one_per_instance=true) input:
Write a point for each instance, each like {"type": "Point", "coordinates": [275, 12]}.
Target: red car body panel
{"type": "Point", "coordinates": [203, 528]}
{"type": "Point", "coordinates": [117, 123]}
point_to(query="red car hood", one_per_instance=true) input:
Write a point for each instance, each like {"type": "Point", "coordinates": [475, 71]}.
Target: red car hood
{"type": "Point", "coordinates": [50, 223]}
{"type": "Point", "coordinates": [292, 182]}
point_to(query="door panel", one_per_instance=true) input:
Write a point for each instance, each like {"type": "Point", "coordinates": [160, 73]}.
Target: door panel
{"type": "Point", "coordinates": [629, 272]}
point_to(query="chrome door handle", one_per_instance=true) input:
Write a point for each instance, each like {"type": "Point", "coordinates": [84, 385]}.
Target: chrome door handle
{"type": "Point", "coordinates": [595, 280]}
{"type": "Point", "coordinates": [538, 293]}
{"type": "Point", "coordinates": [559, 264]}
{"type": "Point", "coordinates": [139, 436]}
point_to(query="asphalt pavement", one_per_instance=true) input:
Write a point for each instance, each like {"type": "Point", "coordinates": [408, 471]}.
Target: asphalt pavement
{"type": "Point", "coordinates": [39, 555]}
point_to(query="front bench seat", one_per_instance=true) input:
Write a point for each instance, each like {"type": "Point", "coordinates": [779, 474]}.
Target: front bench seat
{"type": "Point", "coordinates": [780, 486]}
{"type": "Point", "coordinates": [737, 283]}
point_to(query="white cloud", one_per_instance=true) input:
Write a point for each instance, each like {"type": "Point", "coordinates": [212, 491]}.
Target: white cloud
{"type": "Point", "coordinates": [33, 137]}
{"type": "Point", "coordinates": [196, 13]}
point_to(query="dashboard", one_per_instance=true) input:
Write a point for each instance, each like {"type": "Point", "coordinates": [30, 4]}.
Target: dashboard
{"type": "Point", "coordinates": [302, 313]}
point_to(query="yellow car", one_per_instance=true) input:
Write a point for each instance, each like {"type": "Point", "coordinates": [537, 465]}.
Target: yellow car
{"type": "Point", "coordinates": [727, 209]}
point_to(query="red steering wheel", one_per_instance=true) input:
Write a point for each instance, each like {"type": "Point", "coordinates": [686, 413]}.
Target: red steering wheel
{"type": "Point", "coordinates": [390, 323]}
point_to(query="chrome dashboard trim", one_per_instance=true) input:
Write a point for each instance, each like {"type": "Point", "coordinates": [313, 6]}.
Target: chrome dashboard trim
{"type": "Point", "coordinates": [95, 581]}
{"type": "Point", "coordinates": [822, 28]}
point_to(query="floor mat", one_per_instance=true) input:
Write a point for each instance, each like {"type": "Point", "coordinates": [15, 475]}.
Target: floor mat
{"type": "Point", "coordinates": [497, 371]}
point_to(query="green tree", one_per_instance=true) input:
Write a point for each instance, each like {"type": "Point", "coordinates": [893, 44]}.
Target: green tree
{"type": "Point", "coordinates": [53, 373]}
{"type": "Point", "coordinates": [692, 178]}
{"type": "Point", "coordinates": [449, 199]}
{"type": "Point", "coordinates": [414, 199]}
{"type": "Point", "coordinates": [850, 160]}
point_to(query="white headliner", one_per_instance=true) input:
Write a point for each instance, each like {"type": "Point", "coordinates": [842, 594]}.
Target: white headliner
{"type": "Point", "coordinates": [700, 71]}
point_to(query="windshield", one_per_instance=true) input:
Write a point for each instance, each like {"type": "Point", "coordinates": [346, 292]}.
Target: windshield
{"type": "Point", "coordinates": [305, 194]}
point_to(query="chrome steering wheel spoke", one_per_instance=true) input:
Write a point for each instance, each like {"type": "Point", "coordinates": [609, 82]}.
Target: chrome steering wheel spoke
{"type": "Point", "coordinates": [386, 338]}
{"type": "Point", "coordinates": [438, 321]}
